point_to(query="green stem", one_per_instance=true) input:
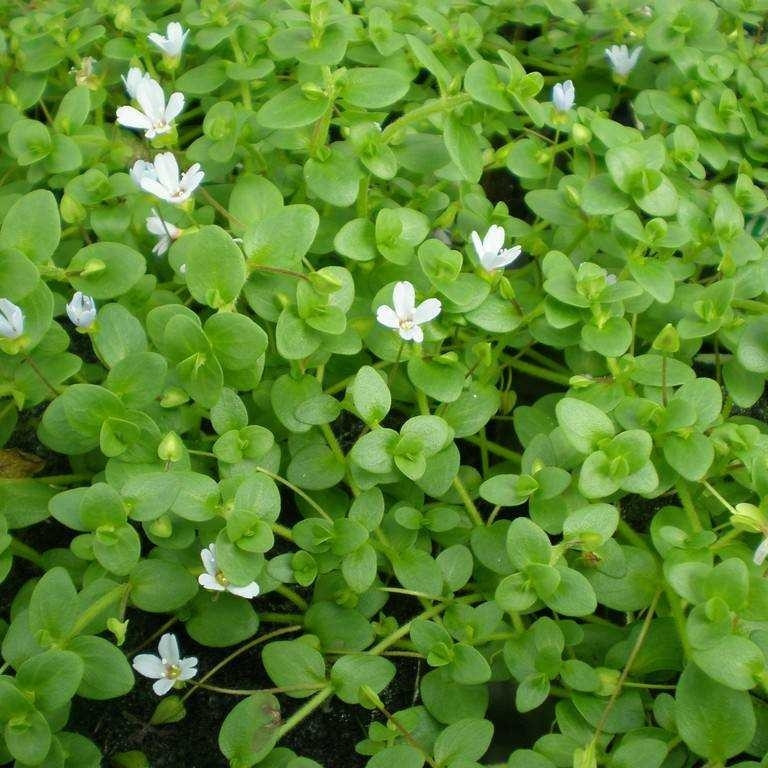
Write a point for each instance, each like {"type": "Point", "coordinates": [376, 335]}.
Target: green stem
{"type": "Point", "coordinates": [537, 371]}
{"type": "Point", "coordinates": [304, 711]}
{"type": "Point", "coordinates": [279, 618]}
{"type": "Point", "coordinates": [499, 450]}
{"type": "Point", "coordinates": [281, 530]}
{"type": "Point", "coordinates": [684, 494]}
{"type": "Point", "coordinates": [312, 503]}
{"type": "Point", "coordinates": [291, 595]}
{"type": "Point", "coordinates": [759, 307]}
{"type": "Point", "coordinates": [633, 537]}
{"type": "Point", "coordinates": [719, 497]}
{"type": "Point", "coordinates": [278, 271]}
{"type": "Point", "coordinates": [627, 667]}
{"type": "Point", "coordinates": [421, 113]}
{"type": "Point", "coordinates": [245, 87]}
{"type": "Point", "coordinates": [95, 608]}
{"type": "Point", "coordinates": [333, 444]}
{"type": "Point", "coordinates": [422, 402]}
{"type": "Point", "coordinates": [467, 499]}
{"type": "Point", "coordinates": [214, 203]}
{"type": "Point", "coordinates": [20, 549]}
{"type": "Point", "coordinates": [242, 649]}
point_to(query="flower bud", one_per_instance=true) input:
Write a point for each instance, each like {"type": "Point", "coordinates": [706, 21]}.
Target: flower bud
{"type": "Point", "coordinates": [668, 340]}
{"type": "Point", "coordinates": [171, 448]}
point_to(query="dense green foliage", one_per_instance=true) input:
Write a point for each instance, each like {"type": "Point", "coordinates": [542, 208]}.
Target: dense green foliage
{"type": "Point", "coordinates": [549, 482]}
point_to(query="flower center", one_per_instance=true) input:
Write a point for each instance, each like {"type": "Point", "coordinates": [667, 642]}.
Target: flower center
{"type": "Point", "coordinates": [222, 579]}
{"type": "Point", "coordinates": [406, 323]}
{"type": "Point", "coordinates": [172, 671]}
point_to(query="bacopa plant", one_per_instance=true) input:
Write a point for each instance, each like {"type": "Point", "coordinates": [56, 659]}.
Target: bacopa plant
{"type": "Point", "coordinates": [382, 384]}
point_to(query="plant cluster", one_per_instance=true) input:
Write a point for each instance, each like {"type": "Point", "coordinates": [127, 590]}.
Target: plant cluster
{"type": "Point", "coordinates": [356, 334]}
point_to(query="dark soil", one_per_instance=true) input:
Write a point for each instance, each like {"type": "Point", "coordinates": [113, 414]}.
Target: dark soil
{"type": "Point", "coordinates": [328, 736]}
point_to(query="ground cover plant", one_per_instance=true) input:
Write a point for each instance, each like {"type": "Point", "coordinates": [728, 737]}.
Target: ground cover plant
{"type": "Point", "coordinates": [381, 383]}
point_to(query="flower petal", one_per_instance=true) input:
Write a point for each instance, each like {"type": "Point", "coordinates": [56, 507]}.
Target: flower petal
{"type": "Point", "coordinates": [210, 582]}
{"type": "Point", "coordinates": [192, 179]}
{"type": "Point", "coordinates": [208, 556]}
{"type": "Point", "coordinates": [188, 668]}
{"type": "Point", "coordinates": [130, 117]}
{"type": "Point", "coordinates": [761, 552]}
{"type": "Point", "coordinates": [149, 94]}
{"type": "Point", "coordinates": [175, 105]}
{"type": "Point", "coordinates": [478, 244]}
{"type": "Point", "coordinates": [167, 170]}
{"type": "Point", "coordinates": [412, 334]}
{"type": "Point", "coordinates": [169, 649]}
{"type": "Point", "coordinates": [494, 238]}
{"type": "Point", "coordinates": [149, 665]}
{"type": "Point", "coordinates": [154, 187]}
{"type": "Point", "coordinates": [248, 591]}
{"type": "Point", "coordinates": [162, 686]}
{"type": "Point", "coordinates": [506, 256]}
{"type": "Point", "coordinates": [404, 298]}
{"type": "Point", "coordinates": [387, 316]}
{"type": "Point", "coordinates": [426, 311]}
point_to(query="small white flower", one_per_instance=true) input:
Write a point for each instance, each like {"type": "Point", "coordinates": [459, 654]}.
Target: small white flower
{"type": "Point", "coordinates": [622, 60]}
{"type": "Point", "coordinates": [81, 310]}
{"type": "Point", "coordinates": [490, 251]}
{"type": "Point", "coordinates": [173, 42]}
{"type": "Point", "coordinates": [166, 668]}
{"type": "Point", "coordinates": [214, 580]}
{"type": "Point", "coordinates": [563, 96]}
{"type": "Point", "coordinates": [84, 73]}
{"type": "Point", "coordinates": [132, 79]}
{"type": "Point", "coordinates": [164, 230]}
{"type": "Point", "coordinates": [761, 552]}
{"type": "Point", "coordinates": [406, 317]}
{"type": "Point", "coordinates": [182, 269]}
{"type": "Point", "coordinates": [11, 320]}
{"type": "Point", "coordinates": [155, 117]}
{"type": "Point", "coordinates": [163, 179]}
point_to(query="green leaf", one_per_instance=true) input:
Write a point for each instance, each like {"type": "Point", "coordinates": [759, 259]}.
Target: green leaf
{"type": "Point", "coordinates": [32, 226]}
{"type": "Point", "coordinates": [349, 673]}
{"type": "Point", "coordinates": [465, 740]}
{"type": "Point", "coordinates": [107, 673]}
{"type": "Point", "coordinates": [715, 721]}
{"type": "Point", "coordinates": [28, 737]}
{"type": "Point", "coordinates": [29, 141]}
{"type": "Point", "coordinates": [465, 148]}
{"type": "Point", "coordinates": [51, 677]}
{"type": "Point", "coordinates": [532, 692]}
{"type": "Point", "coordinates": [106, 270]}
{"type": "Point", "coordinates": [417, 570]}
{"type": "Point", "coordinates": [374, 87]}
{"type": "Point", "coordinates": [215, 265]}
{"type": "Point", "coordinates": [584, 425]}
{"type": "Point", "coordinates": [370, 395]}
{"type": "Point", "coordinates": [338, 628]}
{"type": "Point", "coordinates": [53, 607]}
{"type": "Point", "coordinates": [752, 349]}
{"type": "Point", "coordinates": [291, 108]}
{"type": "Point", "coordinates": [158, 586]}
{"type": "Point", "coordinates": [735, 662]}
{"type": "Point", "coordinates": [293, 663]}
{"type": "Point", "coordinates": [222, 622]}
{"type": "Point", "coordinates": [250, 730]}
{"type": "Point", "coordinates": [527, 543]}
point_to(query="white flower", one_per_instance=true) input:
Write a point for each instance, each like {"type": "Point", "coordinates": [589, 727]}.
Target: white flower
{"type": "Point", "coordinates": [563, 96]}
{"type": "Point", "coordinates": [132, 79]}
{"type": "Point", "coordinates": [214, 580]}
{"type": "Point", "coordinates": [164, 230]}
{"type": "Point", "coordinates": [140, 169]}
{"type": "Point", "coordinates": [163, 179]}
{"type": "Point", "coordinates": [406, 317]}
{"type": "Point", "coordinates": [81, 310]}
{"type": "Point", "coordinates": [490, 251]}
{"type": "Point", "coordinates": [761, 552]}
{"type": "Point", "coordinates": [155, 117]}
{"type": "Point", "coordinates": [166, 668]}
{"type": "Point", "coordinates": [11, 320]}
{"type": "Point", "coordinates": [173, 42]}
{"type": "Point", "coordinates": [622, 61]}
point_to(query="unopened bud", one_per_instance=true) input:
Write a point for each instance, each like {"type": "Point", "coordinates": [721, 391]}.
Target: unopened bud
{"type": "Point", "coordinates": [668, 340]}
{"type": "Point", "coordinates": [171, 448]}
